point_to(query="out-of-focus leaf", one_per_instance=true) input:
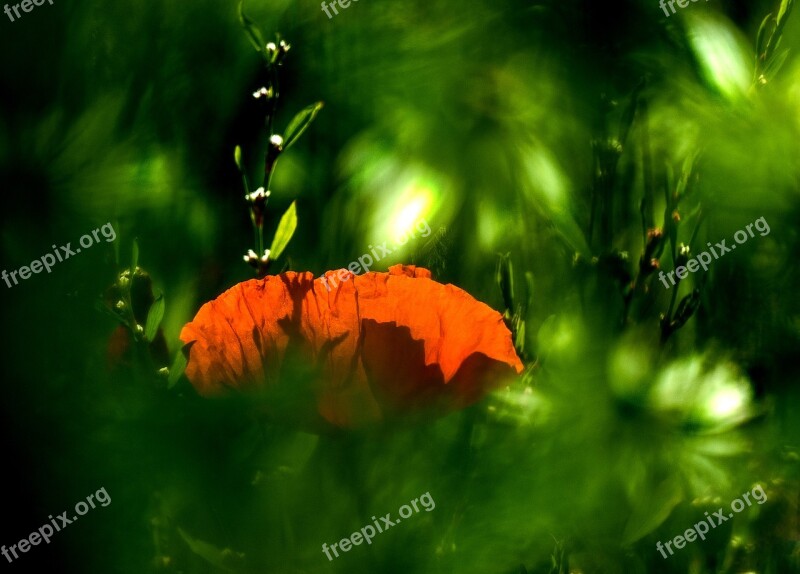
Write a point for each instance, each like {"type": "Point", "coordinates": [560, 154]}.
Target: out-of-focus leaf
{"type": "Point", "coordinates": [177, 369]}
{"type": "Point", "coordinates": [686, 173]}
{"type": "Point", "coordinates": [548, 188]}
{"type": "Point", "coordinates": [519, 335]}
{"type": "Point", "coordinates": [224, 559]}
{"type": "Point", "coordinates": [246, 443]}
{"type": "Point", "coordinates": [154, 317]}
{"type": "Point", "coordinates": [721, 52]}
{"type": "Point", "coordinates": [253, 31]}
{"type": "Point", "coordinates": [289, 454]}
{"type": "Point", "coordinates": [652, 510]}
{"type": "Point", "coordinates": [626, 121]}
{"type": "Point", "coordinates": [286, 229]}
{"type": "Point", "coordinates": [504, 275]}
{"type": "Point", "coordinates": [103, 308]}
{"type": "Point", "coordinates": [116, 248]}
{"type": "Point", "coordinates": [237, 157]}
{"type": "Point", "coordinates": [762, 36]}
{"type": "Point", "coordinates": [776, 63]}
{"type": "Point", "coordinates": [134, 257]}
{"type": "Point", "coordinates": [783, 12]}
{"type": "Point", "coordinates": [300, 123]}
{"type": "Point", "coordinates": [686, 308]}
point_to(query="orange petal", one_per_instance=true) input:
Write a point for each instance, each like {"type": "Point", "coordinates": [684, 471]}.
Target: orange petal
{"type": "Point", "coordinates": [368, 346]}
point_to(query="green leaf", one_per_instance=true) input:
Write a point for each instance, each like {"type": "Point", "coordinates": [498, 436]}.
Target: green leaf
{"type": "Point", "coordinates": [286, 229]}
{"type": "Point", "coordinates": [154, 316]}
{"type": "Point", "coordinates": [686, 174]}
{"type": "Point", "coordinates": [723, 56]}
{"type": "Point", "coordinates": [253, 31]}
{"type": "Point", "coordinates": [629, 115]}
{"type": "Point", "coordinates": [504, 276]}
{"type": "Point", "coordinates": [776, 63]}
{"type": "Point", "coordinates": [177, 369]}
{"type": "Point", "coordinates": [783, 12]}
{"type": "Point", "coordinates": [762, 35]}
{"type": "Point", "coordinates": [686, 308]}
{"type": "Point", "coordinates": [651, 510]}
{"type": "Point", "coordinates": [220, 558]}
{"type": "Point", "coordinates": [237, 157]}
{"type": "Point", "coordinates": [288, 452]}
{"type": "Point", "coordinates": [100, 305]}
{"type": "Point", "coordinates": [300, 123]}
{"type": "Point", "coordinates": [134, 258]}
{"type": "Point", "coordinates": [116, 248]}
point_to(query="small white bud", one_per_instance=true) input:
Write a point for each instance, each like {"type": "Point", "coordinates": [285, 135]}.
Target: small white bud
{"type": "Point", "coordinates": [257, 195]}
{"type": "Point", "coordinates": [263, 92]}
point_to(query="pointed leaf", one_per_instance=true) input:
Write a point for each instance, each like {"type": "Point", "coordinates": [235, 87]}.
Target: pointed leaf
{"type": "Point", "coordinates": [116, 248]}
{"type": "Point", "coordinates": [286, 229]}
{"type": "Point", "coordinates": [776, 63]}
{"type": "Point", "coordinates": [134, 258]}
{"type": "Point", "coordinates": [154, 316]}
{"type": "Point", "coordinates": [177, 369]}
{"type": "Point", "coordinates": [722, 55]}
{"type": "Point", "coordinates": [762, 35]}
{"type": "Point", "coordinates": [504, 276]}
{"type": "Point", "coordinates": [628, 116]}
{"type": "Point", "coordinates": [237, 157]}
{"type": "Point", "coordinates": [219, 558]}
{"type": "Point", "coordinates": [253, 31]}
{"type": "Point", "coordinates": [686, 308]}
{"type": "Point", "coordinates": [650, 511]}
{"type": "Point", "coordinates": [300, 123]}
{"type": "Point", "coordinates": [100, 305]}
{"type": "Point", "coordinates": [290, 454]}
{"type": "Point", "coordinates": [783, 12]}
{"type": "Point", "coordinates": [686, 173]}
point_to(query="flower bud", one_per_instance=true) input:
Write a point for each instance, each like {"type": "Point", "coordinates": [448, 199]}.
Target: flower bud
{"type": "Point", "coordinates": [274, 150]}
{"type": "Point", "coordinates": [266, 93]}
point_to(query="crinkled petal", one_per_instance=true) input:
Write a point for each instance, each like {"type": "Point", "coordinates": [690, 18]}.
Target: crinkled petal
{"type": "Point", "coordinates": [362, 347]}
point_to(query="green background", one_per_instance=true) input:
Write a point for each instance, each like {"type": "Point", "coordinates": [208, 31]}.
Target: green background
{"type": "Point", "coordinates": [499, 123]}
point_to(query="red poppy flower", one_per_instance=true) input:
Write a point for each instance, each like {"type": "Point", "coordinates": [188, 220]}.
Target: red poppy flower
{"type": "Point", "coordinates": [376, 346]}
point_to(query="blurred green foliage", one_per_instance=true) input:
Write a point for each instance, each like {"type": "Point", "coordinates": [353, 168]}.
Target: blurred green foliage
{"type": "Point", "coordinates": [559, 133]}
